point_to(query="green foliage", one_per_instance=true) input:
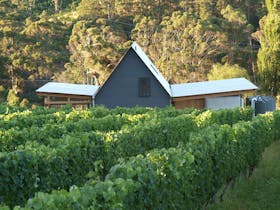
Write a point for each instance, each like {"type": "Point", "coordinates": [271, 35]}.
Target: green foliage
{"type": "Point", "coordinates": [47, 149]}
{"type": "Point", "coordinates": [12, 98]}
{"type": "Point", "coordinates": [45, 49]}
{"type": "Point", "coordinates": [24, 103]}
{"type": "Point", "coordinates": [237, 32]}
{"type": "Point", "coordinates": [186, 43]}
{"type": "Point", "coordinates": [227, 71]}
{"type": "Point", "coordinates": [31, 48]}
{"type": "Point", "coordinates": [261, 190]}
{"type": "Point", "coordinates": [96, 47]}
{"type": "Point", "coordinates": [2, 90]}
{"type": "Point", "coordinates": [223, 116]}
{"type": "Point", "coordinates": [3, 94]}
{"type": "Point", "coordinates": [186, 176]}
{"type": "Point", "coordinates": [43, 168]}
{"type": "Point", "coordinates": [269, 54]}
{"type": "Point", "coordinates": [81, 41]}
{"type": "Point", "coordinates": [233, 15]}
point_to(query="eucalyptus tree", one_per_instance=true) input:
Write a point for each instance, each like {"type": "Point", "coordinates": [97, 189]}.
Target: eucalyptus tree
{"type": "Point", "coordinates": [183, 47]}
{"type": "Point", "coordinates": [11, 24]}
{"type": "Point", "coordinates": [95, 47]}
{"type": "Point", "coordinates": [226, 71]}
{"type": "Point", "coordinates": [269, 53]}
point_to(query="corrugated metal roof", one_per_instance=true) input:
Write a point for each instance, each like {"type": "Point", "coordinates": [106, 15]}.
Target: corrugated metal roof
{"type": "Point", "coordinates": [211, 87]}
{"type": "Point", "coordinates": [66, 88]}
{"type": "Point", "coordinates": [151, 67]}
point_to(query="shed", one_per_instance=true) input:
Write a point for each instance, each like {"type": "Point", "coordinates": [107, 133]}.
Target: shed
{"type": "Point", "coordinates": [211, 94]}
{"type": "Point", "coordinates": [57, 94]}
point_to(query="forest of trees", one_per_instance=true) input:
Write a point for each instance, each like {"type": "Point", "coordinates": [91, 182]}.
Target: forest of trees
{"type": "Point", "coordinates": [80, 41]}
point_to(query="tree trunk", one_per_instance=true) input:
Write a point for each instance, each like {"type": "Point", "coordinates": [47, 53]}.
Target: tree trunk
{"type": "Point", "coordinates": [275, 86]}
{"type": "Point", "coordinates": [56, 6]}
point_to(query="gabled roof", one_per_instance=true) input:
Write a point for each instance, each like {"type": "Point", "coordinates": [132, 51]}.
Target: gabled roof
{"type": "Point", "coordinates": [151, 67]}
{"type": "Point", "coordinates": [212, 87]}
{"type": "Point", "coordinates": [66, 88]}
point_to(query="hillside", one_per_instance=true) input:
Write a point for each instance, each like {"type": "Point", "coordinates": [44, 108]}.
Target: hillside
{"type": "Point", "coordinates": [80, 41]}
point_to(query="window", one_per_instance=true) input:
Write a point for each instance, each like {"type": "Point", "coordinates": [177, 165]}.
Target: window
{"type": "Point", "coordinates": [144, 87]}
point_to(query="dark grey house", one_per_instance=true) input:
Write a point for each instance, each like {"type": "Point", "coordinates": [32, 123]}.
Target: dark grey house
{"type": "Point", "coordinates": [135, 81]}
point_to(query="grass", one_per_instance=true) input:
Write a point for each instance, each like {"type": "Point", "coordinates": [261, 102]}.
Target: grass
{"type": "Point", "coordinates": [259, 192]}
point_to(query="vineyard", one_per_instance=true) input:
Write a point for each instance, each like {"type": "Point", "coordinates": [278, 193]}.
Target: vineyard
{"type": "Point", "coordinates": [140, 158]}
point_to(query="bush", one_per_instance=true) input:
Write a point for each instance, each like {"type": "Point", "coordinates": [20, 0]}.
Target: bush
{"type": "Point", "coordinates": [3, 94]}
{"type": "Point", "coordinates": [24, 103]}
{"type": "Point", "coordinates": [226, 71]}
{"type": "Point", "coordinates": [12, 98]}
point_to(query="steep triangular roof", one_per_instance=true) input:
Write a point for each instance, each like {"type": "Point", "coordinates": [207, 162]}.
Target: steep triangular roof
{"type": "Point", "coordinates": [137, 49]}
{"type": "Point", "coordinates": [149, 64]}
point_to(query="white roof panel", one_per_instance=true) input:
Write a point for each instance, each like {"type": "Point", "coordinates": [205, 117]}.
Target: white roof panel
{"type": "Point", "coordinates": [151, 67]}
{"type": "Point", "coordinates": [66, 88]}
{"type": "Point", "coordinates": [211, 87]}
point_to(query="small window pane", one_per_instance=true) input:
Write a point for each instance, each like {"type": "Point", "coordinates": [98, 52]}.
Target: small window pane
{"type": "Point", "coordinates": [144, 87]}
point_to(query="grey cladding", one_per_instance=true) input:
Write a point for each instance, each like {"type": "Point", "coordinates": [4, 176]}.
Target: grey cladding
{"type": "Point", "coordinates": [132, 84]}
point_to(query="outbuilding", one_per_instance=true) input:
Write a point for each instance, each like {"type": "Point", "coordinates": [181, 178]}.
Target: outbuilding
{"type": "Point", "coordinates": [215, 94]}
{"type": "Point", "coordinates": [58, 94]}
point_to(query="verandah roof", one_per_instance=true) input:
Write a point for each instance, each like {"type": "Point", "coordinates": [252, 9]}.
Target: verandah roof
{"type": "Point", "coordinates": [68, 89]}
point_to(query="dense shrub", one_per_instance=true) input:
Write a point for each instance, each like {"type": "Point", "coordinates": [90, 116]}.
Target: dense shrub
{"type": "Point", "coordinates": [12, 98]}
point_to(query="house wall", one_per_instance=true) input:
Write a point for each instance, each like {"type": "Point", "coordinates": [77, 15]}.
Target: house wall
{"type": "Point", "coordinates": [121, 88]}
{"type": "Point", "coordinates": [193, 103]}
{"type": "Point", "coordinates": [228, 102]}
{"type": "Point", "coordinates": [58, 100]}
